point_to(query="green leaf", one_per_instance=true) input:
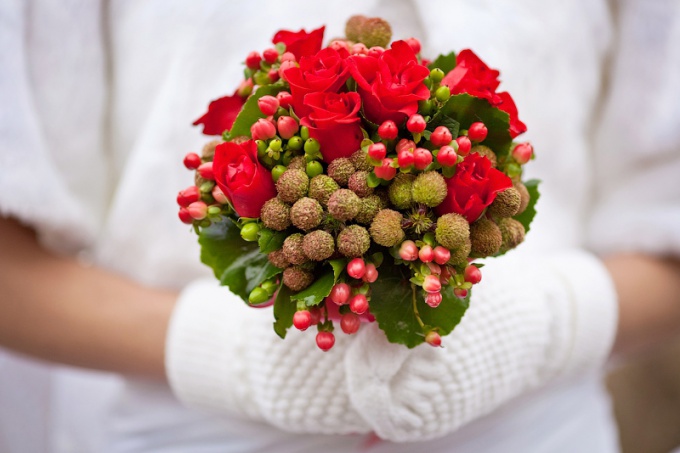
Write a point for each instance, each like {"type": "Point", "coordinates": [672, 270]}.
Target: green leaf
{"type": "Point", "coordinates": [372, 180]}
{"type": "Point", "coordinates": [466, 109]}
{"type": "Point", "coordinates": [270, 240]}
{"type": "Point", "coordinates": [392, 305]}
{"type": "Point", "coordinates": [529, 213]}
{"type": "Point", "coordinates": [236, 263]}
{"type": "Point", "coordinates": [444, 62]}
{"type": "Point", "coordinates": [284, 310]}
{"type": "Point", "coordinates": [444, 120]}
{"type": "Point", "coordinates": [321, 288]}
{"type": "Point", "coordinates": [250, 112]}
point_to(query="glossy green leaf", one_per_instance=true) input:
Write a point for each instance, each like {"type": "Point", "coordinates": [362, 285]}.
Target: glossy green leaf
{"type": "Point", "coordinates": [284, 310]}
{"type": "Point", "coordinates": [270, 240]}
{"type": "Point", "coordinates": [529, 213]}
{"type": "Point", "coordinates": [250, 112]}
{"type": "Point", "coordinates": [321, 288]}
{"type": "Point", "coordinates": [444, 62]}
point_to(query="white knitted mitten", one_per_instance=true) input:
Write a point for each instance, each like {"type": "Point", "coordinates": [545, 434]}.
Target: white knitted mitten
{"type": "Point", "coordinates": [529, 321]}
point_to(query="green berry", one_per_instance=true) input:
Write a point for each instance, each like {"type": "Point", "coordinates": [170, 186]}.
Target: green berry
{"type": "Point", "coordinates": [250, 231]}
{"type": "Point", "coordinates": [258, 296]}
{"type": "Point", "coordinates": [312, 146]}
{"type": "Point", "coordinates": [314, 168]}
{"type": "Point", "coordinates": [442, 94]}
{"type": "Point", "coordinates": [295, 143]}
{"type": "Point", "coordinates": [304, 133]}
{"type": "Point", "coordinates": [436, 75]}
{"type": "Point", "coordinates": [275, 145]}
{"type": "Point", "coordinates": [277, 171]}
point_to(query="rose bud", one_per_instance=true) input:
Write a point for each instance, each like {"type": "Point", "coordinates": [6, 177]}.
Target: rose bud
{"type": "Point", "coordinates": [268, 105]}
{"type": "Point", "coordinates": [188, 196]}
{"type": "Point", "coordinates": [388, 130]}
{"type": "Point", "coordinates": [262, 130]}
{"type": "Point", "coordinates": [431, 284]}
{"type": "Point", "coordinates": [385, 170]}
{"type": "Point", "coordinates": [285, 99]}
{"type": "Point", "coordinates": [287, 126]}
{"type": "Point", "coordinates": [447, 156]}
{"type": "Point", "coordinates": [464, 145]}
{"type": "Point", "coordinates": [522, 153]}
{"type": "Point", "coordinates": [270, 55]}
{"type": "Point", "coordinates": [441, 136]}
{"type": "Point", "coordinates": [477, 132]}
{"type": "Point", "coordinates": [253, 60]}
{"type": "Point", "coordinates": [416, 124]}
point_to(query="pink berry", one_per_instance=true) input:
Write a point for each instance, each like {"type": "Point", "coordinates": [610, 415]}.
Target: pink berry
{"type": "Point", "coordinates": [388, 130]}
{"type": "Point", "coordinates": [416, 124]}
{"type": "Point", "coordinates": [188, 196]}
{"type": "Point", "coordinates": [431, 284]}
{"type": "Point", "coordinates": [316, 315]}
{"type": "Point", "coordinates": [198, 210]}
{"type": "Point", "coordinates": [414, 44]}
{"type": "Point", "coordinates": [421, 158]}
{"type": "Point", "coordinates": [185, 216]}
{"type": "Point", "coordinates": [268, 105]}
{"type": "Point", "coordinates": [192, 161]}
{"type": "Point", "coordinates": [340, 293]}
{"type": "Point", "coordinates": [377, 151]}
{"type": "Point", "coordinates": [433, 299]}
{"type": "Point", "coordinates": [375, 51]}
{"type": "Point", "coordinates": [245, 88]}
{"type": "Point", "coordinates": [359, 49]}
{"type": "Point", "coordinates": [477, 132]}
{"type": "Point", "coordinates": [350, 323]}
{"type": "Point", "coordinates": [405, 158]}
{"type": "Point", "coordinates": [433, 338]}
{"type": "Point", "coordinates": [460, 293]}
{"type": "Point", "coordinates": [253, 60]}
{"type": "Point", "coordinates": [426, 254]}
{"type": "Point", "coordinates": [286, 65]}
{"type": "Point", "coordinates": [325, 340]}
{"type": "Point", "coordinates": [358, 304]}
{"type": "Point", "coordinates": [385, 170]}
{"type": "Point", "coordinates": [219, 196]}
{"type": "Point", "coordinates": [447, 156]}
{"type": "Point", "coordinates": [285, 99]}
{"type": "Point", "coordinates": [287, 126]}
{"type": "Point", "coordinates": [339, 45]}
{"type": "Point", "coordinates": [442, 255]}
{"type": "Point", "coordinates": [441, 136]}
{"type": "Point", "coordinates": [523, 152]}
{"type": "Point", "coordinates": [473, 274]}
{"type": "Point", "coordinates": [464, 145]}
{"type": "Point", "coordinates": [371, 274]}
{"type": "Point", "coordinates": [262, 130]}
{"type": "Point", "coordinates": [270, 55]}
{"type": "Point", "coordinates": [405, 145]}
{"type": "Point", "coordinates": [206, 171]}
{"type": "Point", "coordinates": [408, 251]}
{"type": "Point", "coordinates": [287, 56]}
{"type": "Point", "coordinates": [356, 268]}
{"type": "Point", "coordinates": [273, 75]}
{"type": "Point", "coordinates": [302, 319]}
{"type": "Point", "coordinates": [434, 268]}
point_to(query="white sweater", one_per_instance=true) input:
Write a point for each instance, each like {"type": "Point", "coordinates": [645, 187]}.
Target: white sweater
{"type": "Point", "coordinates": [97, 99]}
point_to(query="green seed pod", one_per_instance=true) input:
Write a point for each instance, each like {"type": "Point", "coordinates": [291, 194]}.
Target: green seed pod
{"type": "Point", "coordinates": [208, 151]}
{"type": "Point", "coordinates": [321, 187]}
{"type": "Point", "coordinates": [250, 231]}
{"type": "Point", "coordinates": [486, 238]}
{"type": "Point", "coordinates": [340, 170]}
{"type": "Point", "coordinates": [275, 214]}
{"type": "Point", "coordinates": [318, 245]}
{"type": "Point", "coordinates": [297, 278]}
{"type": "Point", "coordinates": [369, 208]}
{"type": "Point", "coordinates": [258, 296]}
{"type": "Point", "coordinates": [386, 228]}
{"type": "Point", "coordinates": [486, 152]}
{"type": "Point", "coordinates": [524, 196]}
{"type": "Point", "coordinates": [278, 259]}
{"type": "Point", "coordinates": [429, 188]}
{"type": "Point", "coordinates": [360, 161]}
{"type": "Point", "coordinates": [358, 183]}
{"type": "Point", "coordinates": [292, 249]}
{"type": "Point", "coordinates": [512, 233]}
{"type": "Point", "coordinates": [306, 213]}
{"type": "Point", "coordinates": [292, 185]}
{"type": "Point", "coordinates": [400, 191]}
{"type": "Point", "coordinates": [353, 241]}
{"type": "Point", "coordinates": [344, 204]}
{"type": "Point", "coordinates": [298, 163]}
{"type": "Point", "coordinates": [506, 203]}
{"type": "Point", "coordinates": [452, 231]}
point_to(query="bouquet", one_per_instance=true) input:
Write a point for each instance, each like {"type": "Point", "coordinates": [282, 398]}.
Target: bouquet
{"type": "Point", "coordinates": [359, 182]}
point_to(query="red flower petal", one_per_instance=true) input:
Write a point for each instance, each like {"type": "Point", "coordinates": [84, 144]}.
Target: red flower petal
{"type": "Point", "coordinates": [221, 114]}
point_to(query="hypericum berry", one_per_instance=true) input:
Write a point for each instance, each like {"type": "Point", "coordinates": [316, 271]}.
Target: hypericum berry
{"type": "Point", "coordinates": [371, 274]}
{"type": "Point", "coordinates": [442, 255]}
{"type": "Point", "coordinates": [405, 158]}
{"type": "Point", "coordinates": [268, 105]}
{"type": "Point", "coordinates": [376, 51]}
{"type": "Point", "coordinates": [377, 151]}
{"type": "Point", "coordinates": [431, 284]}
{"type": "Point", "coordinates": [198, 210]}
{"type": "Point", "coordinates": [340, 293]}
{"type": "Point", "coordinates": [287, 56]}
{"type": "Point", "coordinates": [286, 65]}
{"type": "Point", "coordinates": [421, 158]}
{"type": "Point", "coordinates": [350, 323]}
{"type": "Point", "coordinates": [192, 161]}
{"type": "Point", "coordinates": [441, 136]}
{"type": "Point", "coordinates": [273, 75]}
{"type": "Point", "coordinates": [316, 315]}
{"type": "Point", "coordinates": [219, 196]}
{"type": "Point", "coordinates": [253, 60]}
{"type": "Point", "coordinates": [433, 339]}
{"type": "Point", "coordinates": [477, 132]}
{"type": "Point", "coordinates": [262, 130]}
{"type": "Point", "coordinates": [313, 168]}
{"type": "Point", "coordinates": [442, 94]}
{"type": "Point", "coordinates": [523, 152]}
{"type": "Point", "coordinates": [447, 156]}
{"type": "Point", "coordinates": [414, 44]}
{"type": "Point", "coordinates": [339, 45]}
{"type": "Point", "coordinates": [358, 304]}
{"type": "Point", "coordinates": [287, 127]}
{"type": "Point", "coordinates": [416, 124]}
{"type": "Point", "coordinates": [359, 49]}
{"type": "Point", "coordinates": [302, 319]}
{"type": "Point", "coordinates": [473, 274]}
{"type": "Point", "coordinates": [188, 196]}
{"type": "Point", "coordinates": [356, 268]}
{"type": "Point", "coordinates": [405, 145]}
{"type": "Point", "coordinates": [285, 99]}
{"type": "Point", "coordinates": [436, 75]}
{"type": "Point", "coordinates": [426, 254]}
{"type": "Point", "coordinates": [245, 88]}
{"type": "Point", "coordinates": [464, 145]}
{"type": "Point", "coordinates": [250, 232]}
{"type": "Point", "coordinates": [460, 293]}
{"type": "Point", "coordinates": [388, 130]}
{"type": "Point", "coordinates": [434, 268]}
{"type": "Point", "coordinates": [325, 340]}
{"type": "Point", "coordinates": [385, 170]}
{"type": "Point", "coordinates": [433, 299]}
{"type": "Point", "coordinates": [185, 216]}
{"type": "Point", "coordinates": [270, 55]}
{"type": "Point", "coordinates": [206, 171]}
{"type": "Point", "coordinates": [408, 251]}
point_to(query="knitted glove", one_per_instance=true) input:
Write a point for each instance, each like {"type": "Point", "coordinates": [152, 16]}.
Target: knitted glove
{"type": "Point", "coordinates": [529, 321]}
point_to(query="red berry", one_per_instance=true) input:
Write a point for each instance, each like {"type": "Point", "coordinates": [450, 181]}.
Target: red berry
{"type": "Point", "coordinates": [416, 124]}
{"type": "Point", "coordinates": [273, 75]}
{"type": "Point", "coordinates": [286, 65]}
{"type": "Point", "coordinates": [433, 299]}
{"type": "Point", "coordinates": [388, 130]}
{"type": "Point", "coordinates": [359, 49]}
{"type": "Point", "coordinates": [350, 323]}
{"type": "Point", "coordinates": [285, 98]}
{"type": "Point", "coordinates": [473, 274]}
{"type": "Point", "coordinates": [302, 319]}
{"type": "Point", "coordinates": [523, 152]}
{"type": "Point", "coordinates": [477, 132]}
{"type": "Point", "coordinates": [206, 171]}
{"type": "Point", "coordinates": [371, 274]}
{"type": "Point", "coordinates": [339, 45]}
{"type": "Point", "coordinates": [385, 170]}
{"type": "Point", "coordinates": [268, 105]}
{"type": "Point", "coordinates": [262, 129]}
{"type": "Point", "coordinates": [253, 60]}
{"type": "Point", "coordinates": [426, 254]}
{"type": "Point", "coordinates": [358, 304]}
{"type": "Point", "coordinates": [405, 145]}
{"type": "Point", "coordinates": [270, 55]}
{"type": "Point", "coordinates": [421, 158]}
{"type": "Point", "coordinates": [434, 268]}
{"type": "Point", "coordinates": [431, 284]}
{"type": "Point", "coordinates": [447, 156]}
{"type": "Point", "coordinates": [188, 196]}
{"type": "Point", "coordinates": [287, 126]}
{"type": "Point", "coordinates": [375, 51]}
{"type": "Point", "coordinates": [414, 44]}
{"type": "Point", "coordinates": [441, 136]}
{"type": "Point", "coordinates": [192, 161]}
{"type": "Point", "coordinates": [442, 255]}
{"type": "Point", "coordinates": [408, 251]}
{"type": "Point", "coordinates": [377, 151]}
{"type": "Point", "coordinates": [460, 293]}
{"type": "Point", "coordinates": [219, 196]}
{"type": "Point", "coordinates": [356, 268]}
{"type": "Point", "coordinates": [405, 158]}
{"type": "Point", "coordinates": [433, 338]}
{"type": "Point", "coordinates": [340, 293]}
{"type": "Point", "coordinates": [185, 216]}
{"type": "Point", "coordinates": [316, 315]}
{"type": "Point", "coordinates": [464, 145]}
{"type": "Point", "coordinates": [325, 340]}
{"type": "Point", "coordinates": [198, 210]}
{"type": "Point", "coordinates": [287, 56]}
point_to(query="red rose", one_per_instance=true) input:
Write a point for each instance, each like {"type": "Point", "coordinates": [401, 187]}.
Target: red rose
{"type": "Point", "coordinates": [508, 106]}
{"type": "Point", "coordinates": [390, 85]}
{"type": "Point", "coordinates": [473, 187]}
{"type": "Point", "coordinates": [242, 178]}
{"type": "Point", "coordinates": [300, 43]}
{"type": "Point", "coordinates": [325, 71]}
{"type": "Point", "coordinates": [221, 114]}
{"type": "Point", "coordinates": [334, 121]}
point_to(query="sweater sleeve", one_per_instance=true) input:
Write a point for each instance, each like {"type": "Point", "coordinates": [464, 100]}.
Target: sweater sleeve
{"type": "Point", "coordinates": [529, 322]}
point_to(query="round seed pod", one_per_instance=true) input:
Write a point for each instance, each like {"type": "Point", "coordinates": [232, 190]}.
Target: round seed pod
{"type": "Point", "coordinates": [340, 170]}
{"type": "Point", "coordinates": [275, 214]}
{"type": "Point", "coordinates": [486, 152]}
{"type": "Point", "coordinates": [506, 203]}
{"type": "Point", "coordinates": [297, 278]}
{"type": "Point", "coordinates": [369, 208]}
{"type": "Point", "coordinates": [321, 187]}
{"type": "Point", "coordinates": [524, 196]}
{"type": "Point", "coordinates": [360, 161]}
{"type": "Point", "coordinates": [292, 185]}
{"type": "Point", "coordinates": [386, 228]}
{"type": "Point", "coordinates": [485, 237]}
{"type": "Point", "coordinates": [429, 188]}
{"type": "Point", "coordinates": [353, 241]}
{"type": "Point", "coordinates": [344, 204]}
{"type": "Point", "coordinates": [318, 245]}
{"type": "Point", "coordinates": [452, 231]}
{"type": "Point", "coordinates": [512, 233]}
{"type": "Point", "coordinates": [278, 259]}
{"type": "Point", "coordinates": [358, 183]}
{"type": "Point", "coordinates": [400, 191]}
{"type": "Point", "coordinates": [292, 249]}
{"type": "Point", "coordinates": [306, 213]}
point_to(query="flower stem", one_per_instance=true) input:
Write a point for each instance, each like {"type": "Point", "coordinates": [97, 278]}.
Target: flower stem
{"type": "Point", "coordinates": [415, 307]}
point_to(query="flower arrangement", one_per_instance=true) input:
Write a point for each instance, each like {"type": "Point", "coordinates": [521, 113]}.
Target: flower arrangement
{"type": "Point", "coordinates": [358, 182]}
